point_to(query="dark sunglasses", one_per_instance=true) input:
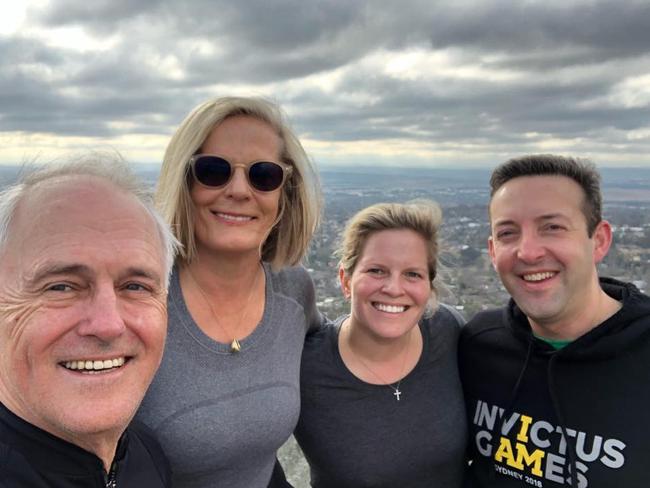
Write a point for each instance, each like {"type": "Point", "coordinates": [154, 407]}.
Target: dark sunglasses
{"type": "Point", "coordinates": [214, 172]}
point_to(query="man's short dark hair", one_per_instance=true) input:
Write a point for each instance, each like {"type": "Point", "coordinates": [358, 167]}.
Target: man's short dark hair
{"type": "Point", "coordinates": [582, 171]}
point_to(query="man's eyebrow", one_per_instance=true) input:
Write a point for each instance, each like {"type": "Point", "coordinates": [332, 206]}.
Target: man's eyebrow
{"type": "Point", "coordinates": [541, 218]}
{"type": "Point", "coordinates": [499, 223]}
{"type": "Point", "coordinates": [55, 269]}
{"type": "Point", "coordinates": [140, 272]}
{"type": "Point", "coordinates": [552, 216]}
{"type": "Point", "coordinates": [85, 271]}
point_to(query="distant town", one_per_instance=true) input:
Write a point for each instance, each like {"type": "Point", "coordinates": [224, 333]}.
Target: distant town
{"type": "Point", "coordinates": [470, 282]}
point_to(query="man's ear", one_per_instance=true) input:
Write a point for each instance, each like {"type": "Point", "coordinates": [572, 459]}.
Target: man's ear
{"type": "Point", "coordinates": [602, 239]}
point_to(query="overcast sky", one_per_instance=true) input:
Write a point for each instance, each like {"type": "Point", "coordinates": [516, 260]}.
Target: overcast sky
{"type": "Point", "coordinates": [399, 82]}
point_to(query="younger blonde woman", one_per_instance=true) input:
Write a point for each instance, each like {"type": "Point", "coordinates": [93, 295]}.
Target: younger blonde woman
{"type": "Point", "coordinates": [382, 404]}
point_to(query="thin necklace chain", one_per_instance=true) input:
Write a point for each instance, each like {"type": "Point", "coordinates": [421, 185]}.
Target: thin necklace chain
{"type": "Point", "coordinates": [396, 391]}
{"type": "Point", "coordinates": [235, 346]}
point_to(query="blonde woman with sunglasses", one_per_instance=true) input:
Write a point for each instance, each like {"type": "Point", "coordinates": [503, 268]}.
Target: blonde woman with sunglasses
{"type": "Point", "coordinates": [243, 199]}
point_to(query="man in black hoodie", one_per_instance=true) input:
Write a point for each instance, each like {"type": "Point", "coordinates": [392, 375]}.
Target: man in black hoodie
{"type": "Point", "coordinates": [84, 267]}
{"type": "Point", "coordinates": [557, 383]}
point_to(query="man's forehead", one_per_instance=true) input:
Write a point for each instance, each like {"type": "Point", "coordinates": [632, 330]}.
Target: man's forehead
{"type": "Point", "coordinates": [537, 181]}
{"type": "Point", "coordinates": [537, 197]}
{"type": "Point", "coordinates": [76, 199]}
{"type": "Point", "coordinates": [71, 188]}
{"type": "Point", "coordinates": [77, 212]}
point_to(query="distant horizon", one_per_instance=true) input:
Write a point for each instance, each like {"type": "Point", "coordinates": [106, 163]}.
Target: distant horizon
{"type": "Point", "coordinates": [357, 167]}
{"type": "Point", "coordinates": [617, 182]}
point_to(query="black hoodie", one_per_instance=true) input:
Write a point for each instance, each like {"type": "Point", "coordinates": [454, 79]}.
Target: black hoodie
{"type": "Point", "coordinates": [583, 407]}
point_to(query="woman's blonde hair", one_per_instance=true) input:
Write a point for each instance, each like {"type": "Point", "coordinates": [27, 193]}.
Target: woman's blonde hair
{"type": "Point", "coordinates": [300, 200]}
{"type": "Point", "coordinates": [421, 216]}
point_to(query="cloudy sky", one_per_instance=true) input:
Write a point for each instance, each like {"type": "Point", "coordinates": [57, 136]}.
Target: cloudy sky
{"type": "Point", "coordinates": [400, 82]}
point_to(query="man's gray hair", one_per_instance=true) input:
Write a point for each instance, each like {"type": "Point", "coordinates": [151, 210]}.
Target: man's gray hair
{"type": "Point", "coordinates": [106, 166]}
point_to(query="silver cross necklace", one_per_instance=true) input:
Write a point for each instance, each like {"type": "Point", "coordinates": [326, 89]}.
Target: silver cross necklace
{"type": "Point", "coordinates": [396, 391]}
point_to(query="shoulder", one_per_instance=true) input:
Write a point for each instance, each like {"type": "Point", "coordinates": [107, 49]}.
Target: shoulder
{"type": "Point", "coordinates": [143, 444]}
{"type": "Point", "coordinates": [442, 330]}
{"type": "Point", "coordinates": [490, 330]}
{"type": "Point", "coordinates": [293, 286]}
{"type": "Point", "coordinates": [484, 322]}
{"type": "Point", "coordinates": [319, 355]}
{"type": "Point", "coordinates": [18, 459]}
{"type": "Point", "coordinates": [292, 281]}
{"type": "Point", "coordinates": [324, 380]}
{"type": "Point", "coordinates": [448, 315]}
{"type": "Point", "coordinates": [143, 436]}
{"type": "Point", "coordinates": [23, 466]}
{"type": "Point", "coordinates": [319, 343]}
{"type": "Point", "coordinates": [445, 319]}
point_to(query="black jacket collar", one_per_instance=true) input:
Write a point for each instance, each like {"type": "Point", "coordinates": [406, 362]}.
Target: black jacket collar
{"type": "Point", "coordinates": [48, 452]}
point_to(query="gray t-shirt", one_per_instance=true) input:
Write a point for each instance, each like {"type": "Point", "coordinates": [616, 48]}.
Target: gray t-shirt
{"type": "Point", "coordinates": [358, 435]}
{"type": "Point", "coordinates": [219, 416]}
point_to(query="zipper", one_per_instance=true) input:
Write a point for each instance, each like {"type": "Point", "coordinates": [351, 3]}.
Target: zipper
{"type": "Point", "coordinates": [111, 478]}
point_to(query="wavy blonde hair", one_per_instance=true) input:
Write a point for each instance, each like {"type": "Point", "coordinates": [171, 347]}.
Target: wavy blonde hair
{"type": "Point", "coordinates": [300, 201]}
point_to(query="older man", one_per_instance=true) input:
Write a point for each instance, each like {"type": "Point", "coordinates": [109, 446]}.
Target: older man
{"type": "Point", "coordinates": [557, 382]}
{"type": "Point", "coordinates": [84, 263]}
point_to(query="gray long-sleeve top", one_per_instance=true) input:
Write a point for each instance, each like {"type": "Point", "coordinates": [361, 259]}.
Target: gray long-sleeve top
{"type": "Point", "coordinates": [219, 416]}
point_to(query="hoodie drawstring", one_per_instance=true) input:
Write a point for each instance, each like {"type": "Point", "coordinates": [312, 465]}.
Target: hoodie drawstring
{"type": "Point", "coordinates": [511, 402]}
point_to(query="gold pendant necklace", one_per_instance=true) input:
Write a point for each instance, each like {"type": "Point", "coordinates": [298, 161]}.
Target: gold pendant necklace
{"type": "Point", "coordinates": [235, 345]}
{"type": "Point", "coordinates": [396, 391]}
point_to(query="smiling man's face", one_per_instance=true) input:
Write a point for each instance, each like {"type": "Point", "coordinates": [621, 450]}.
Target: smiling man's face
{"type": "Point", "coordinates": [541, 249]}
{"type": "Point", "coordinates": [82, 308]}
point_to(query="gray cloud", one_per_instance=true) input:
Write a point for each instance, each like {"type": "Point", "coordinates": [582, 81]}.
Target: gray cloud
{"type": "Point", "coordinates": [555, 67]}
